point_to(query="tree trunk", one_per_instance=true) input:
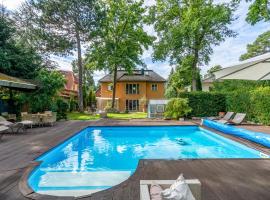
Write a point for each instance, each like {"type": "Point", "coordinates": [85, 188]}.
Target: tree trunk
{"type": "Point", "coordinates": [114, 85]}
{"type": "Point", "coordinates": [80, 68]}
{"type": "Point", "coordinates": [194, 70]}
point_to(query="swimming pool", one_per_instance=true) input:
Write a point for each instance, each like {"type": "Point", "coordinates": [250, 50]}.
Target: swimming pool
{"type": "Point", "coordinates": [100, 157]}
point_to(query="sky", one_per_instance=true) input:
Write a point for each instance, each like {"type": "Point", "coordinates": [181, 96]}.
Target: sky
{"type": "Point", "coordinates": [226, 54]}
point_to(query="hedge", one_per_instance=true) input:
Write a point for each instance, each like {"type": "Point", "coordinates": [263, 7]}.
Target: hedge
{"type": "Point", "coordinates": [260, 104]}
{"type": "Point", "coordinates": [255, 103]}
{"type": "Point", "coordinates": [205, 104]}
{"type": "Point", "coordinates": [240, 102]}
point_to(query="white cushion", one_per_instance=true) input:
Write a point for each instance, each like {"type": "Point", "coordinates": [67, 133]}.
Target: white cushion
{"type": "Point", "coordinates": [155, 192]}
{"type": "Point", "coordinates": [179, 190]}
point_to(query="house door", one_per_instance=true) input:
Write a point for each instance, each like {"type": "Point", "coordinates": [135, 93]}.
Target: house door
{"type": "Point", "coordinates": [132, 105]}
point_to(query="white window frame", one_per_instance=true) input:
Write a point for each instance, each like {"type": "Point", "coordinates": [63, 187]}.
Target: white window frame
{"type": "Point", "coordinates": [154, 84]}
{"type": "Point", "coordinates": [110, 87]}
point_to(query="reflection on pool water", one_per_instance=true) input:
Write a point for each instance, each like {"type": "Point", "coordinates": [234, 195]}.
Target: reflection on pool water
{"type": "Point", "coordinates": [101, 157]}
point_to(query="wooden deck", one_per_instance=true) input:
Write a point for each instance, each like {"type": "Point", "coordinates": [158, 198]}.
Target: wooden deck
{"type": "Point", "coordinates": [232, 179]}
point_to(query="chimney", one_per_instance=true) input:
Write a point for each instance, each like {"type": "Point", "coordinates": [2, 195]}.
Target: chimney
{"type": "Point", "coordinates": [142, 71]}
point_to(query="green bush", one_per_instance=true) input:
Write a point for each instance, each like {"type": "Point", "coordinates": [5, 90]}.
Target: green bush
{"type": "Point", "coordinates": [260, 102]}
{"type": "Point", "coordinates": [111, 110]}
{"type": "Point", "coordinates": [205, 104]}
{"type": "Point", "coordinates": [176, 108]}
{"type": "Point", "coordinates": [61, 107]}
{"type": "Point", "coordinates": [240, 102]}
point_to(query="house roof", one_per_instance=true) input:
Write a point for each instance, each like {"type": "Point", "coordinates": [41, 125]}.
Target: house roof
{"type": "Point", "coordinates": [137, 75]}
{"type": "Point", "coordinates": [16, 83]}
{"type": "Point", "coordinates": [70, 79]}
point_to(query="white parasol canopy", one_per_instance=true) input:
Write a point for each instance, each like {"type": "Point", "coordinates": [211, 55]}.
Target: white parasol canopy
{"type": "Point", "coordinates": [257, 68]}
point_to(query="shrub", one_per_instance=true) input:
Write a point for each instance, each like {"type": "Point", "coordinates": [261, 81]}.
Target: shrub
{"type": "Point", "coordinates": [260, 101]}
{"type": "Point", "coordinates": [111, 110]}
{"type": "Point", "coordinates": [73, 105]}
{"type": "Point", "coordinates": [61, 107]}
{"type": "Point", "coordinates": [176, 108]}
{"type": "Point", "coordinates": [240, 102]}
{"type": "Point", "coordinates": [205, 104]}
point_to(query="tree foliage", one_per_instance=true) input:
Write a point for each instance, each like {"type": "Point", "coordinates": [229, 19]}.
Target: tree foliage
{"type": "Point", "coordinates": [50, 83]}
{"type": "Point", "coordinates": [189, 28]}
{"type": "Point", "coordinates": [61, 26]}
{"type": "Point", "coordinates": [258, 11]}
{"type": "Point", "coordinates": [260, 46]}
{"type": "Point", "coordinates": [213, 69]}
{"type": "Point", "coordinates": [16, 59]}
{"type": "Point", "coordinates": [121, 39]}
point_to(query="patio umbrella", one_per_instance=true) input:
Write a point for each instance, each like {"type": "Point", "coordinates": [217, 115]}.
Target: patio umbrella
{"type": "Point", "coordinates": [257, 68]}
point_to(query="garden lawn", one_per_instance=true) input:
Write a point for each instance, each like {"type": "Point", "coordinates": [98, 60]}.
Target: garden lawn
{"type": "Point", "coordinates": [136, 115]}
{"type": "Point", "coordinates": [83, 116]}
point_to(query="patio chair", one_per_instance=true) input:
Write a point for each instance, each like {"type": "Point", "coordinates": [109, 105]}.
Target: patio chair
{"type": "Point", "coordinates": [35, 119]}
{"type": "Point", "coordinates": [193, 184]}
{"type": "Point", "coordinates": [226, 117]}
{"type": "Point", "coordinates": [49, 119]}
{"type": "Point", "coordinates": [24, 113]}
{"type": "Point", "coordinates": [48, 112]}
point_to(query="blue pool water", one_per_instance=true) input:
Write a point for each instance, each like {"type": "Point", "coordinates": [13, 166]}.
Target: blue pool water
{"type": "Point", "coordinates": [101, 157]}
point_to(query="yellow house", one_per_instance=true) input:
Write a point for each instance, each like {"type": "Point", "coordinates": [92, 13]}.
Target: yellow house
{"type": "Point", "coordinates": [133, 91]}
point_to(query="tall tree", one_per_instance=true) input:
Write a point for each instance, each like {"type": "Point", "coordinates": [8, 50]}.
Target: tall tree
{"type": "Point", "coordinates": [121, 39]}
{"type": "Point", "coordinates": [88, 72]}
{"type": "Point", "coordinates": [61, 26]}
{"type": "Point", "coordinates": [16, 59]}
{"type": "Point", "coordinates": [190, 28]}
{"type": "Point", "coordinates": [260, 46]}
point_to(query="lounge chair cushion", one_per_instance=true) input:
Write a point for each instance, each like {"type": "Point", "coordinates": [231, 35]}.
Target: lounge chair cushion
{"type": "Point", "coordinates": [155, 192]}
{"type": "Point", "coordinates": [179, 190]}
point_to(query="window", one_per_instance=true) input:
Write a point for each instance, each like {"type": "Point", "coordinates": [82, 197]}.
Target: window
{"type": "Point", "coordinates": [110, 87]}
{"type": "Point", "coordinates": [154, 87]}
{"type": "Point", "coordinates": [132, 105]}
{"type": "Point", "coordinates": [132, 88]}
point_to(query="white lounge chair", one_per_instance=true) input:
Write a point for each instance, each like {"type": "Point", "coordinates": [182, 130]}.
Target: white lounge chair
{"type": "Point", "coordinates": [238, 119]}
{"type": "Point", "coordinates": [15, 127]}
{"type": "Point", "coordinates": [226, 117]}
{"type": "Point", "coordinates": [194, 185]}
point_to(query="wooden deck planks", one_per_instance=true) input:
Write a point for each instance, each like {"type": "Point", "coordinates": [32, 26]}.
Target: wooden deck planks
{"type": "Point", "coordinates": [221, 178]}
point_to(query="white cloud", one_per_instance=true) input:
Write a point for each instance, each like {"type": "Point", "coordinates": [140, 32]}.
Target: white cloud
{"type": "Point", "coordinates": [12, 4]}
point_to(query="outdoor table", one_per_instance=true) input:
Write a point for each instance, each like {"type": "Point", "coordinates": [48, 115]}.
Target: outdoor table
{"type": "Point", "coordinates": [27, 123]}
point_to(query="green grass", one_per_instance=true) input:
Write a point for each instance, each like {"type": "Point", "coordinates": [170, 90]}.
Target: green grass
{"type": "Point", "coordinates": [136, 115]}
{"type": "Point", "coordinates": [83, 116]}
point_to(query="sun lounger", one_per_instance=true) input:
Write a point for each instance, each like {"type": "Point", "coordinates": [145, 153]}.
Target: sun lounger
{"type": "Point", "coordinates": [238, 119]}
{"type": "Point", "coordinates": [194, 185]}
{"type": "Point", "coordinates": [15, 127]}
{"type": "Point", "coordinates": [226, 117]}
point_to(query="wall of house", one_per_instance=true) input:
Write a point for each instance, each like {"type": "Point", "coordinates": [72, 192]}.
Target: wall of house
{"type": "Point", "coordinates": [145, 93]}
